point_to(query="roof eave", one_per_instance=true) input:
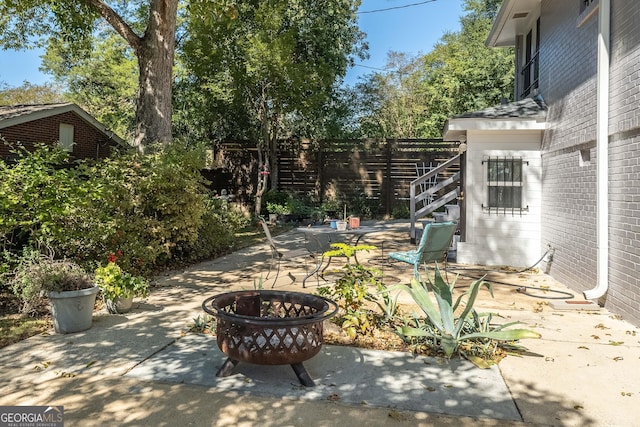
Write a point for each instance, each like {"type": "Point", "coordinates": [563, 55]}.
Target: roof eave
{"type": "Point", "coordinates": [513, 16]}
{"type": "Point", "coordinates": [499, 24]}
{"type": "Point", "coordinates": [455, 129]}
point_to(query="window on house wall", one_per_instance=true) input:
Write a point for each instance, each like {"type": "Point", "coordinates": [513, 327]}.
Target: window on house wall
{"type": "Point", "coordinates": [588, 9]}
{"type": "Point", "coordinates": [530, 72]}
{"type": "Point", "coordinates": [65, 139]}
{"type": "Point", "coordinates": [586, 4]}
{"type": "Point", "coordinates": [504, 184]}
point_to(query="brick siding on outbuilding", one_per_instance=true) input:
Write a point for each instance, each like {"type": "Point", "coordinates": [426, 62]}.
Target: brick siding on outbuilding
{"type": "Point", "coordinates": [89, 141]}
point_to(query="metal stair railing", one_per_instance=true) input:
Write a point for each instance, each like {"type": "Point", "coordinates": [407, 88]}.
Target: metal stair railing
{"type": "Point", "coordinates": [430, 192]}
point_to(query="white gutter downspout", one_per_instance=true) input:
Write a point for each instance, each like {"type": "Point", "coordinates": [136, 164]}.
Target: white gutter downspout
{"type": "Point", "coordinates": [602, 153]}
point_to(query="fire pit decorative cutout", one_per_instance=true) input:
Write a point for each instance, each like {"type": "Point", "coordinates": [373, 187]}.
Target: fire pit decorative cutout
{"type": "Point", "coordinates": [269, 328]}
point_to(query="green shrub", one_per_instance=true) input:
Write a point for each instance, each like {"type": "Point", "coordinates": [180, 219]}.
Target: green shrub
{"type": "Point", "coordinates": [274, 198]}
{"type": "Point", "coordinates": [147, 210]}
{"type": "Point", "coordinates": [217, 233]}
{"type": "Point", "coordinates": [40, 196]}
{"type": "Point", "coordinates": [401, 211]}
{"type": "Point", "coordinates": [275, 208]}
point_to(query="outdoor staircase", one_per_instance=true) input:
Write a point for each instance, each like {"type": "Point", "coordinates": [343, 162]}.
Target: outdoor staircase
{"type": "Point", "coordinates": [424, 199]}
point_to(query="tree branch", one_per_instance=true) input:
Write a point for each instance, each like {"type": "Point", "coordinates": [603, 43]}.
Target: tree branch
{"type": "Point", "coordinates": [118, 24]}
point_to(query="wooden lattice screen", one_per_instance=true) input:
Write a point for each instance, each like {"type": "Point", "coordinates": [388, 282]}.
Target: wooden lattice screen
{"type": "Point", "coordinates": [377, 169]}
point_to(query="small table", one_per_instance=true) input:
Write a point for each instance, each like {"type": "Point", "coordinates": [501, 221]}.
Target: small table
{"type": "Point", "coordinates": [324, 245]}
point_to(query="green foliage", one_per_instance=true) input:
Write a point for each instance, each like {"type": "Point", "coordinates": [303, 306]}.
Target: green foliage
{"type": "Point", "coordinates": [28, 22]}
{"type": "Point", "coordinates": [115, 283]}
{"type": "Point", "coordinates": [276, 197]}
{"type": "Point", "coordinates": [459, 75]}
{"type": "Point", "coordinates": [352, 290]}
{"type": "Point", "coordinates": [37, 273]}
{"type": "Point", "coordinates": [356, 323]}
{"type": "Point", "coordinates": [29, 93]}
{"type": "Point", "coordinates": [401, 211]}
{"type": "Point", "coordinates": [283, 203]}
{"type": "Point", "coordinates": [150, 210]}
{"type": "Point", "coordinates": [442, 323]}
{"type": "Point", "coordinates": [275, 208]}
{"type": "Point", "coordinates": [103, 82]}
{"type": "Point", "coordinates": [39, 196]}
{"type": "Point", "coordinates": [217, 233]}
{"type": "Point", "coordinates": [267, 70]}
{"type": "Point", "coordinates": [348, 251]}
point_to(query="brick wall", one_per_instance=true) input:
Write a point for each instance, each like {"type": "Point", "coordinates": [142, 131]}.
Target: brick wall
{"type": "Point", "coordinates": [568, 64]}
{"type": "Point", "coordinates": [89, 141]}
{"type": "Point", "coordinates": [624, 161]}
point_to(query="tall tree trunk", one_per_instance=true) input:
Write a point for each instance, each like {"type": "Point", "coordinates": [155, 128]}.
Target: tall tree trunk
{"type": "Point", "coordinates": [155, 53]}
{"type": "Point", "coordinates": [155, 62]}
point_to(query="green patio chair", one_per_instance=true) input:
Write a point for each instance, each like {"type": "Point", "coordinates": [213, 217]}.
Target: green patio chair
{"type": "Point", "coordinates": [433, 247]}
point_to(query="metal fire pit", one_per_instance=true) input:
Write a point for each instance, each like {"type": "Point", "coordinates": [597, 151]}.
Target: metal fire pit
{"type": "Point", "coordinates": [269, 328]}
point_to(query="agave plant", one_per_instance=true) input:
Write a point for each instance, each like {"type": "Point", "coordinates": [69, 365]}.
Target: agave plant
{"type": "Point", "coordinates": [441, 322]}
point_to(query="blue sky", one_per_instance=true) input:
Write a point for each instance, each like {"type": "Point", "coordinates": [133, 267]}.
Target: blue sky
{"type": "Point", "coordinates": [409, 29]}
{"type": "Point", "coordinates": [412, 30]}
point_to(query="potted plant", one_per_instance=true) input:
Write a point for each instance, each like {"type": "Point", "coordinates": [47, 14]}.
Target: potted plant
{"type": "Point", "coordinates": [119, 287]}
{"type": "Point", "coordinates": [275, 210]}
{"type": "Point", "coordinates": [68, 287]}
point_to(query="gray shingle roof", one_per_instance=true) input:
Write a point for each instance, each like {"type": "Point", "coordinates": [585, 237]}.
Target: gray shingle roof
{"type": "Point", "coordinates": [524, 108]}
{"type": "Point", "coordinates": [11, 111]}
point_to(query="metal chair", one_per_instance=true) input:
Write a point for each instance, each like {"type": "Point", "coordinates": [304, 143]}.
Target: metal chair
{"type": "Point", "coordinates": [277, 255]}
{"type": "Point", "coordinates": [433, 247]}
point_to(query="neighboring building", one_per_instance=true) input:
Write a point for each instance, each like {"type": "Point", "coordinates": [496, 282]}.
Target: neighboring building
{"type": "Point", "coordinates": [64, 124]}
{"type": "Point", "coordinates": [583, 58]}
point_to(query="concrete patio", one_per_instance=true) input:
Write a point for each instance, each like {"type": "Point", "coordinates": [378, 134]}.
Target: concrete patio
{"type": "Point", "coordinates": [145, 368]}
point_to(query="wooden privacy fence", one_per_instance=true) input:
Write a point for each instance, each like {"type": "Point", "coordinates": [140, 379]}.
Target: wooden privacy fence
{"type": "Point", "coordinates": [379, 170]}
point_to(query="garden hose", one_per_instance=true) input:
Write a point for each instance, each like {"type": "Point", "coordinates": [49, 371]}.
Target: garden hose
{"type": "Point", "coordinates": [519, 288]}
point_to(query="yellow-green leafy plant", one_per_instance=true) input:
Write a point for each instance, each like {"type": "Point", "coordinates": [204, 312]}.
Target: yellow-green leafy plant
{"type": "Point", "coordinates": [353, 289]}
{"type": "Point", "coordinates": [116, 283]}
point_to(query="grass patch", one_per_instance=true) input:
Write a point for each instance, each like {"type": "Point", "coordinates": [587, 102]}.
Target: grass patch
{"type": "Point", "coordinates": [253, 234]}
{"type": "Point", "coordinates": [15, 327]}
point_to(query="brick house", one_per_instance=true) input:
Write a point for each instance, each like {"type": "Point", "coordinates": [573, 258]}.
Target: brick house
{"type": "Point", "coordinates": [64, 124]}
{"type": "Point", "coordinates": [559, 168]}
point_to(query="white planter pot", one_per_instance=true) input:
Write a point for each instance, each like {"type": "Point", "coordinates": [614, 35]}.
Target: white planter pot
{"type": "Point", "coordinates": [72, 311]}
{"type": "Point", "coordinates": [119, 305]}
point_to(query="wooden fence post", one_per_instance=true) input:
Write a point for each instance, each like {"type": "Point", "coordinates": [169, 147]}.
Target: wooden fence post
{"type": "Point", "coordinates": [389, 184]}
{"type": "Point", "coordinates": [320, 174]}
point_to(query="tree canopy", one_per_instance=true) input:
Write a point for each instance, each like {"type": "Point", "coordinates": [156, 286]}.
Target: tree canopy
{"type": "Point", "coordinates": [459, 75]}
{"type": "Point", "coordinates": [72, 24]}
{"type": "Point", "coordinates": [29, 93]}
{"type": "Point", "coordinates": [271, 66]}
{"type": "Point", "coordinates": [259, 70]}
